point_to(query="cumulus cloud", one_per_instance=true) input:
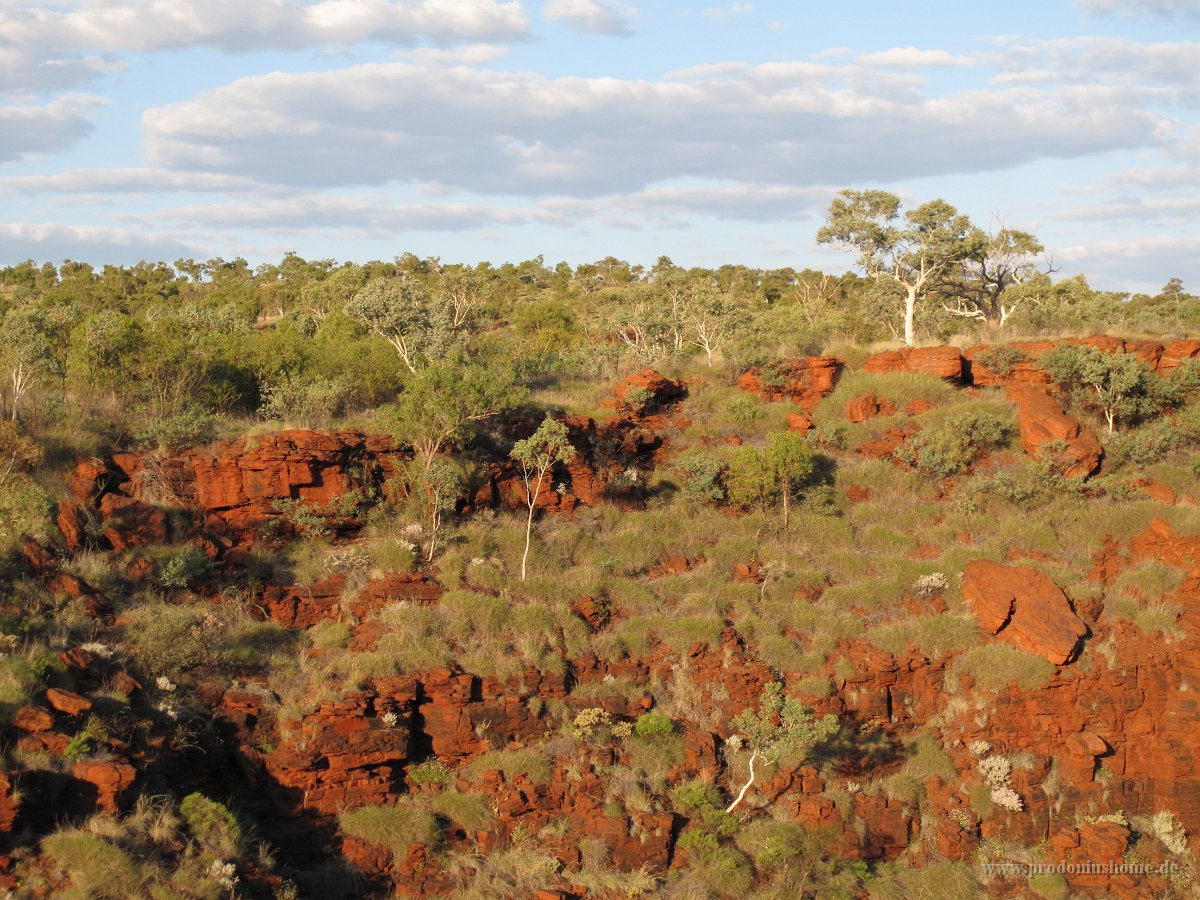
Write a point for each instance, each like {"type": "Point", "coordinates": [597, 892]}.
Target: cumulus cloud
{"type": "Point", "coordinates": [912, 57]}
{"type": "Point", "coordinates": [32, 130]}
{"type": "Point", "coordinates": [1172, 66]}
{"type": "Point", "coordinates": [123, 181]}
{"type": "Point", "coordinates": [1160, 8]}
{"type": "Point", "coordinates": [56, 242]}
{"type": "Point", "coordinates": [1139, 264]}
{"type": "Point", "coordinates": [591, 16]}
{"type": "Point", "coordinates": [45, 46]}
{"type": "Point", "coordinates": [487, 131]}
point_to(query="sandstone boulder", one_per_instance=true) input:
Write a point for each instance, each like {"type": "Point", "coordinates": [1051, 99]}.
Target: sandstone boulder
{"type": "Point", "coordinates": [867, 406]}
{"type": "Point", "coordinates": [1043, 422]}
{"type": "Point", "coordinates": [804, 381]}
{"type": "Point", "coordinates": [1025, 608]}
{"type": "Point", "coordinates": [944, 362]}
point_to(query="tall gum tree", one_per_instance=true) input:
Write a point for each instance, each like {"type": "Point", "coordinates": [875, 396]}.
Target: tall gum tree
{"type": "Point", "coordinates": [914, 250]}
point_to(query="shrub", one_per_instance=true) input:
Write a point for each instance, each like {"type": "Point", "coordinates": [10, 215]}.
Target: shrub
{"type": "Point", "coordinates": [178, 431]}
{"type": "Point", "coordinates": [1002, 359]}
{"type": "Point", "coordinates": [394, 827]}
{"type": "Point", "coordinates": [750, 480]}
{"type": "Point", "coordinates": [950, 446]}
{"type": "Point", "coordinates": [95, 867]}
{"type": "Point", "coordinates": [431, 771]}
{"type": "Point", "coordinates": [182, 569]}
{"type": "Point", "coordinates": [996, 666]}
{"type": "Point", "coordinates": [306, 401]}
{"type": "Point", "coordinates": [529, 763]}
{"type": "Point", "coordinates": [470, 812]}
{"type": "Point", "coordinates": [653, 725]}
{"type": "Point", "coordinates": [213, 826]}
{"type": "Point", "coordinates": [701, 476]}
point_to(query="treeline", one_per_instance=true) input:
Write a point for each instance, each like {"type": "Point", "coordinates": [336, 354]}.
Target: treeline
{"type": "Point", "coordinates": [160, 353]}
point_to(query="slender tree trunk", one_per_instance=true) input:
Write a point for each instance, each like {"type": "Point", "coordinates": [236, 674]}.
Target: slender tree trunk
{"type": "Point", "coordinates": [745, 787]}
{"type": "Point", "coordinates": [910, 309]}
{"type": "Point", "coordinates": [786, 506]}
{"type": "Point", "coordinates": [533, 495]}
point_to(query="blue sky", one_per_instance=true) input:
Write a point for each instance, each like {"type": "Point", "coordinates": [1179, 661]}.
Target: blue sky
{"type": "Point", "coordinates": [501, 129]}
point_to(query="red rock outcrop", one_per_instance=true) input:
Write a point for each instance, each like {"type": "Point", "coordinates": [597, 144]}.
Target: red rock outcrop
{"type": "Point", "coordinates": [804, 381]}
{"type": "Point", "coordinates": [867, 406]}
{"type": "Point", "coordinates": [1043, 422]}
{"type": "Point", "coordinates": [1025, 608]}
{"type": "Point", "coordinates": [944, 362]}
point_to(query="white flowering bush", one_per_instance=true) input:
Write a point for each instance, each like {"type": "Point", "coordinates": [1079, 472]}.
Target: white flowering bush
{"type": "Point", "coordinates": [1169, 831]}
{"type": "Point", "coordinates": [995, 770]}
{"type": "Point", "coordinates": [224, 874]}
{"type": "Point", "coordinates": [1006, 798]}
{"type": "Point", "coordinates": [931, 585]}
{"type": "Point", "coordinates": [979, 748]}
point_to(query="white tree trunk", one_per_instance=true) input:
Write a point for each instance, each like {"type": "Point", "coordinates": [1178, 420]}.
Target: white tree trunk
{"type": "Point", "coordinates": [910, 310]}
{"type": "Point", "coordinates": [745, 787]}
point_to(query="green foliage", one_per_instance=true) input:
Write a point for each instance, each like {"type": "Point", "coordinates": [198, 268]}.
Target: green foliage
{"type": "Point", "coordinates": [213, 826]}
{"type": "Point", "coordinates": [1002, 359]}
{"type": "Point", "coordinates": [470, 812]}
{"type": "Point", "coordinates": [781, 724]}
{"type": "Point", "coordinates": [530, 763]}
{"type": "Point", "coordinates": [994, 666]}
{"type": "Point", "coordinates": [94, 867]}
{"type": "Point", "coordinates": [950, 446]}
{"type": "Point", "coordinates": [174, 431]}
{"type": "Point", "coordinates": [1118, 384]}
{"type": "Point", "coordinates": [431, 771]}
{"type": "Point", "coordinates": [750, 481]}
{"type": "Point", "coordinates": [305, 402]}
{"type": "Point", "coordinates": [394, 827]}
{"type": "Point", "coordinates": [700, 474]}
{"type": "Point", "coordinates": [653, 725]}
{"type": "Point", "coordinates": [182, 569]}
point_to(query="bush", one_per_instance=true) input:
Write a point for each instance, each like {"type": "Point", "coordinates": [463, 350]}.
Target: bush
{"type": "Point", "coordinates": [701, 476]}
{"type": "Point", "coordinates": [431, 771]}
{"type": "Point", "coordinates": [95, 867]}
{"type": "Point", "coordinates": [529, 763]}
{"type": "Point", "coordinates": [394, 827]}
{"type": "Point", "coordinates": [1002, 359]}
{"type": "Point", "coordinates": [178, 431]}
{"type": "Point", "coordinates": [470, 812]}
{"type": "Point", "coordinates": [750, 480]}
{"type": "Point", "coordinates": [306, 402]}
{"type": "Point", "coordinates": [213, 826]}
{"type": "Point", "coordinates": [995, 666]}
{"type": "Point", "coordinates": [952, 445]}
{"type": "Point", "coordinates": [653, 725]}
{"type": "Point", "coordinates": [183, 569]}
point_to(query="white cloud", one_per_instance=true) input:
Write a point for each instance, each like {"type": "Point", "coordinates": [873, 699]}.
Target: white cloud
{"type": "Point", "coordinates": [48, 46]}
{"type": "Point", "coordinates": [718, 13]}
{"type": "Point", "coordinates": [56, 242]}
{"type": "Point", "coordinates": [591, 16]}
{"type": "Point", "coordinates": [1159, 8]}
{"type": "Point", "coordinates": [1139, 264]}
{"type": "Point", "coordinates": [912, 57]}
{"type": "Point", "coordinates": [488, 131]}
{"type": "Point", "coordinates": [32, 130]}
{"type": "Point", "coordinates": [123, 181]}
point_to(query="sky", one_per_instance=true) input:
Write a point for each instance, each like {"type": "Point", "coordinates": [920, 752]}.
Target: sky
{"type": "Point", "coordinates": [499, 130]}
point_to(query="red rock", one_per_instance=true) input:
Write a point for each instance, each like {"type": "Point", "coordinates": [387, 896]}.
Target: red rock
{"type": "Point", "coordinates": [944, 362]}
{"type": "Point", "coordinates": [396, 587]}
{"type": "Point", "coordinates": [1043, 422]}
{"type": "Point", "coordinates": [801, 422]}
{"type": "Point", "coordinates": [856, 493]}
{"type": "Point", "coordinates": [72, 523]}
{"type": "Point", "coordinates": [1176, 354]}
{"type": "Point", "coordinates": [68, 703]}
{"type": "Point", "coordinates": [130, 523]}
{"type": "Point", "coordinates": [661, 391]}
{"type": "Point", "coordinates": [1156, 490]}
{"type": "Point", "coordinates": [94, 604]}
{"type": "Point", "coordinates": [1025, 608]}
{"type": "Point", "coordinates": [866, 407]}
{"type": "Point", "coordinates": [804, 381]}
{"type": "Point", "coordinates": [111, 779]}
{"type": "Point", "coordinates": [87, 481]}
{"type": "Point", "coordinates": [917, 406]}
{"type": "Point", "coordinates": [1085, 743]}
{"type": "Point", "coordinates": [38, 557]}
{"type": "Point", "coordinates": [33, 719]}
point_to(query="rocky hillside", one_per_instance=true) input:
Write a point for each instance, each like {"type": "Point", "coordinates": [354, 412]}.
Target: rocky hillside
{"type": "Point", "coordinates": [969, 652]}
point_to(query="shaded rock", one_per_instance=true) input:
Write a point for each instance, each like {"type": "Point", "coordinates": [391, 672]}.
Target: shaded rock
{"type": "Point", "coordinates": [131, 523]}
{"type": "Point", "coordinates": [68, 703]}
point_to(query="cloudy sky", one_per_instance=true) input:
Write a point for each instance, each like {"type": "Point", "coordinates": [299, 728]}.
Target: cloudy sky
{"type": "Point", "coordinates": [501, 129]}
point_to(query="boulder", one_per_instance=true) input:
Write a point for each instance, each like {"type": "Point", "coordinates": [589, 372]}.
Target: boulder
{"type": "Point", "coordinates": [1025, 608]}
{"type": "Point", "coordinates": [1043, 422]}
{"type": "Point", "coordinates": [867, 406]}
{"type": "Point", "coordinates": [804, 381]}
{"type": "Point", "coordinates": [131, 523]}
{"type": "Point", "coordinates": [944, 362]}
